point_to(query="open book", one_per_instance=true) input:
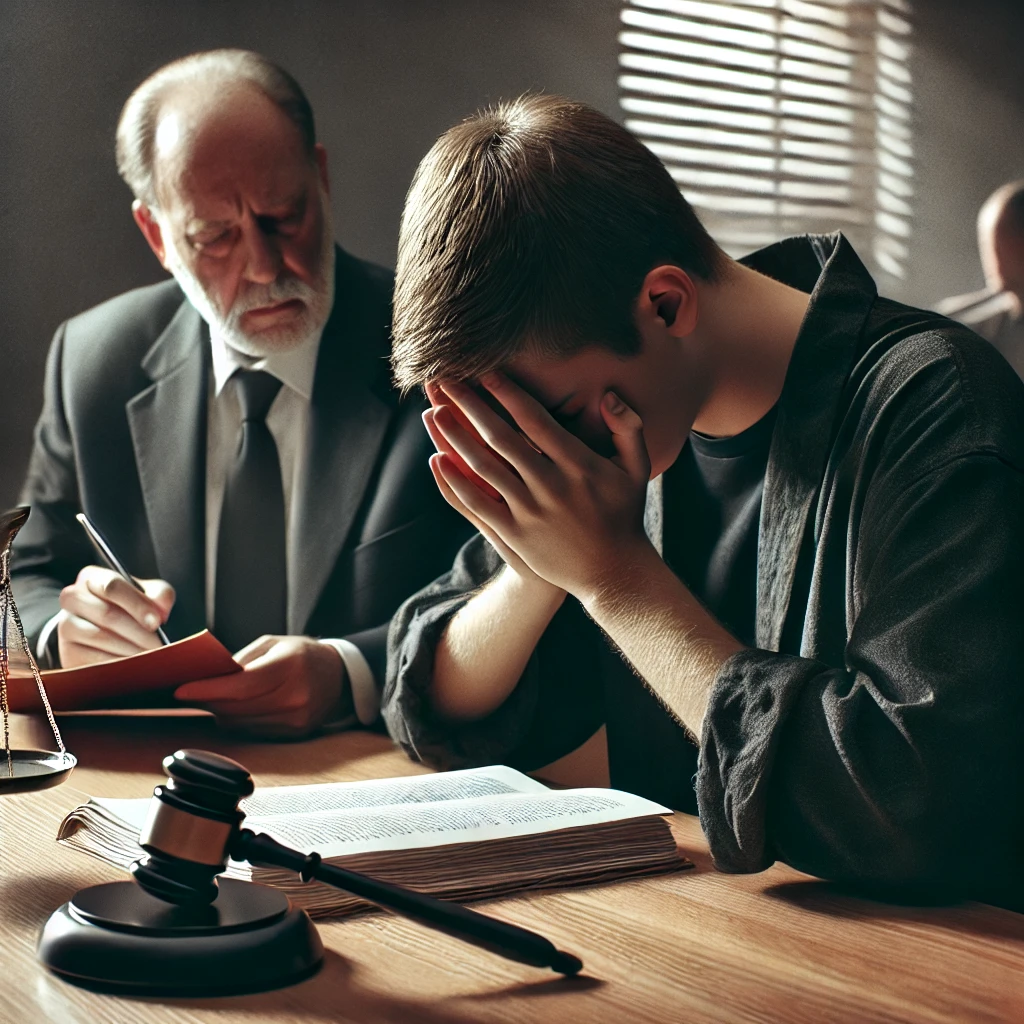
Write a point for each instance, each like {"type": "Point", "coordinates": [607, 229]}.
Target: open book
{"type": "Point", "coordinates": [461, 835]}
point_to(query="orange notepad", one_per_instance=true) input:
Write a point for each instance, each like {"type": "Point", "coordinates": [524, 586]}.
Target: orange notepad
{"type": "Point", "coordinates": [112, 683]}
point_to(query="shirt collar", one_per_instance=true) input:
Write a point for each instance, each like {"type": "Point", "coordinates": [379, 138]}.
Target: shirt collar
{"type": "Point", "coordinates": [842, 295]}
{"type": "Point", "coordinates": [295, 368]}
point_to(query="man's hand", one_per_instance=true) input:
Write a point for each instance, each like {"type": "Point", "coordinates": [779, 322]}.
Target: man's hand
{"type": "Point", "coordinates": [103, 617]}
{"type": "Point", "coordinates": [290, 686]}
{"type": "Point", "coordinates": [564, 512]}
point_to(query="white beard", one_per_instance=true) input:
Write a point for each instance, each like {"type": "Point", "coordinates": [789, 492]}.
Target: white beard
{"type": "Point", "coordinates": [317, 298]}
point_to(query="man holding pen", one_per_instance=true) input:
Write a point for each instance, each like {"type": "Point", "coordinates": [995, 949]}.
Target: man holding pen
{"type": "Point", "coordinates": [232, 432]}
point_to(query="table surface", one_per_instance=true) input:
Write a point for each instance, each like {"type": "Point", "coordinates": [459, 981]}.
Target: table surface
{"type": "Point", "coordinates": [692, 946]}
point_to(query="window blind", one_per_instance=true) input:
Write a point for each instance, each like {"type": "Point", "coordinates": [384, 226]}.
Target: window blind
{"type": "Point", "coordinates": [778, 117]}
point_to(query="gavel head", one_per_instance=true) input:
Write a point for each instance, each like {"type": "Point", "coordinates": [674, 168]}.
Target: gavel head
{"type": "Point", "coordinates": [192, 822]}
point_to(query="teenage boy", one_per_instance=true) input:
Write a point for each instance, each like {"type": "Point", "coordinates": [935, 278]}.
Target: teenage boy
{"type": "Point", "coordinates": [819, 592]}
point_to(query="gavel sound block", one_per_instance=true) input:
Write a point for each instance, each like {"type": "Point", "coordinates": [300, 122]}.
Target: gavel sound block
{"type": "Point", "coordinates": [181, 930]}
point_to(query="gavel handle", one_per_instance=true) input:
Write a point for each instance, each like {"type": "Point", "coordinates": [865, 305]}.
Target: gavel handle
{"type": "Point", "coordinates": [507, 940]}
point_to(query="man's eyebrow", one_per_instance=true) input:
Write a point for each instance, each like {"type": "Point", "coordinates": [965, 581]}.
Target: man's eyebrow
{"type": "Point", "coordinates": [298, 200]}
{"type": "Point", "coordinates": [198, 224]}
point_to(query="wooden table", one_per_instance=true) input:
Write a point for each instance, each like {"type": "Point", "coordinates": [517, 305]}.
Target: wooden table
{"type": "Point", "coordinates": [690, 947]}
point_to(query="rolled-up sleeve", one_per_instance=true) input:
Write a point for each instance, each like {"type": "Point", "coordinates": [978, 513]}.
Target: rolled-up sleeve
{"type": "Point", "coordinates": [556, 705]}
{"type": "Point", "coordinates": [903, 766]}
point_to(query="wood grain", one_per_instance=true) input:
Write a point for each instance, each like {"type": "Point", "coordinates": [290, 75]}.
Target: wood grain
{"type": "Point", "coordinates": [696, 946]}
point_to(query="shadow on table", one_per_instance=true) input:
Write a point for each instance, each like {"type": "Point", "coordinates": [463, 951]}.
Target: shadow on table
{"type": "Point", "coordinates": [547, 987]}
{"type": "Point", "coordinates": [333, 993]}
{"type": "Point", "coordinates": [138, 741]}
{"type": "Point", "coordinates": [853, 903]}
{"type": "Point", "coordinates": [28, 900]}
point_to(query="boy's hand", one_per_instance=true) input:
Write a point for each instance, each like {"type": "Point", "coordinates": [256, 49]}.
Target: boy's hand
{"type": "Point", "coordinates": [569, 515]}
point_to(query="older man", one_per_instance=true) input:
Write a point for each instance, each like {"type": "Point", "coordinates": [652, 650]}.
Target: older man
{"type": "Point", "coordinates": [233, 431]}
{"type": "Point", "coordinates": [996, 312]}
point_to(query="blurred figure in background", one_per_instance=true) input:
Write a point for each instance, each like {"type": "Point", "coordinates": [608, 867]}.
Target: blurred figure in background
{"type": "Point", "coordinates": [996, 312]}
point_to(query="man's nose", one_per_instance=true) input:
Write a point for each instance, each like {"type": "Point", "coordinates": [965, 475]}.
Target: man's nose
{"type": "Point", "coordinates": [263, 259]}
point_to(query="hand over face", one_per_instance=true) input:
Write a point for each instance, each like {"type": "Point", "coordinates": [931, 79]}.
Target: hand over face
{"type": "Point", "coordinates": [103, 617]}
{"type": "Point", "coordinates": [289, 687]}
{"type": "Point", "coordinates": [566, 513]}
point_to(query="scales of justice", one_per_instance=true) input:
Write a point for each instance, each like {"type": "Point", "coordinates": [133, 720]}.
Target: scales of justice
{"type": "Point", "coordinates": [22, 770]}
{"type": "Point", "coordinates": [177, 928]}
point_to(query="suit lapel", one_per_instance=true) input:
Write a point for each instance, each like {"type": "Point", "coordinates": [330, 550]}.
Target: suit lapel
{"type": "Point", "coordinates": [820, 366]}
{"type": "Point", "coordinates": [168, 427]}
{"type": "Point", "coordinates": [345, 436]}
{"type": "Point", "coordinates": [349, 418]}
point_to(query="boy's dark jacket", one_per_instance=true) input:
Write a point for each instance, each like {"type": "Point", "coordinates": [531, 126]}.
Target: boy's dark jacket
{"type": "Point", "coordinates": [876, 732]}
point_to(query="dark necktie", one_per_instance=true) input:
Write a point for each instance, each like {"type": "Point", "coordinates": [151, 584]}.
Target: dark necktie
{"type": "Point", "coordinates": [251, 584]}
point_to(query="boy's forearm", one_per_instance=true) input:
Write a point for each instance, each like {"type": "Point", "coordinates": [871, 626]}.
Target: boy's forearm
{"type": "Point", "coordinates": [486, 647]}
{"type": "Point", "coordinates": [670, 639]}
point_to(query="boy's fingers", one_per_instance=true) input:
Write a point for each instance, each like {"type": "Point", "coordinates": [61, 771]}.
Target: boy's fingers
{"type": "Point", "coordinates": [488, 511]}
{"type": "Point", "coordinates": [446, 492]}
{"type": "Point", "coordinates": [476, 457]}
{"type": "Point", "coordinates": [538, 424]}
{"type": "Point", "coordinates": [628, 436]}
{"type": "Point", "coordinates": [495, 432]}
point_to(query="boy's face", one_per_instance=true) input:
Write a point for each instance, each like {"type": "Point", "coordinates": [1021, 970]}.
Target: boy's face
{"type": "Point", "coordinates": [658, 383]}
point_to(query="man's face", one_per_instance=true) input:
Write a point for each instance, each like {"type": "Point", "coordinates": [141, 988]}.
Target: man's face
{"type": "Point", "coordinates": [651, 383]}
{"type": "Point", "coordinates": [244, 220]}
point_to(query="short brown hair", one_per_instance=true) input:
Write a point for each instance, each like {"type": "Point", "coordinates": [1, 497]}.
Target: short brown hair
{"type": "Point", "coordinates": [531, 227]}
{"type": "Point", "coordinates": [211, 69]}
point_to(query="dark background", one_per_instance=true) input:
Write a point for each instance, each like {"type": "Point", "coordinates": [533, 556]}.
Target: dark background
{"type": "Point", "coordinates": [385, 78]}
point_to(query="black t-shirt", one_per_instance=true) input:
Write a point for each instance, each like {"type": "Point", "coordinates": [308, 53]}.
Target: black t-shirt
{"type": "Point", "coordinates": [712, 502]}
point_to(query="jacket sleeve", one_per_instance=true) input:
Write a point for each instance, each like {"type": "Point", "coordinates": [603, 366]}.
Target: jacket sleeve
{"type": "Point", "coordinates": [51, 547]}
{"type": "Point", "coordinates": [903, 766]}
{"type": "Point", "coordinates": [555, 707]}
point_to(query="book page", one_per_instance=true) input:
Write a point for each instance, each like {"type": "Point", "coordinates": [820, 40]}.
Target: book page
{"type": "Point", "coordinates": [479, 819]}
{"type": "Point", "coordinates": [415, 789]}
{"type": "Point", "coordinates": [327, 797]}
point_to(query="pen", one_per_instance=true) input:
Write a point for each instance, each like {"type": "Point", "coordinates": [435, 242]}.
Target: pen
{"type": "Point", "coordinates": [105, 552]}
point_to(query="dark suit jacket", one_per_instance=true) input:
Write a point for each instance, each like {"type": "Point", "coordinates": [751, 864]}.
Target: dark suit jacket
{"type": "Point", "coordinates": [122, 436]}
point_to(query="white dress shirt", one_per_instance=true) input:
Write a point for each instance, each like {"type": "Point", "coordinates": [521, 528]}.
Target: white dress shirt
{"type": "Point", "coordinates": [288, 423]}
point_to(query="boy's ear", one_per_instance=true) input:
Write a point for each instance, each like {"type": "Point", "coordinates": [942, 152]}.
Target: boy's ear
{"type": "Point", "coordinates": [668, 301]}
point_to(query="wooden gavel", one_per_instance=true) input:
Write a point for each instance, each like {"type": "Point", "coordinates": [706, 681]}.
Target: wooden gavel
{"type": "Point", "coordinates": [195, 825]}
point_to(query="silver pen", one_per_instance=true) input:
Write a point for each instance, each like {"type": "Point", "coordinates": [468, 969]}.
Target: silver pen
{"type": "Point", "coordinates": [104, 550]}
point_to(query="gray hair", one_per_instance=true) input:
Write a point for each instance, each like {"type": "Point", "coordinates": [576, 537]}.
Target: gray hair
{"type": "Point", "coordinates": [136, 127]}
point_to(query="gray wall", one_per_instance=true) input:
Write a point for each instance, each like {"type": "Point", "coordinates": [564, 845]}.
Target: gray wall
{"type": "Point", "coordinates": [969, 84]}
{"type": "Point", "coordinates": [385, 78]}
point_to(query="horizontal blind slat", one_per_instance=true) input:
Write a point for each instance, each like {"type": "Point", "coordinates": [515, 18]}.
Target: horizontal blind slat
{"type": "Point", "coordinates": [779, 116]}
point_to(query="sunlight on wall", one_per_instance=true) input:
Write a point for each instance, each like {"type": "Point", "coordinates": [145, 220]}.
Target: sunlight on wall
{"type": "Point", "coordinates": [778, 117]}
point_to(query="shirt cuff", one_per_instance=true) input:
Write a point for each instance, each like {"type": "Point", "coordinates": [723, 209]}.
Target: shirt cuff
{"type": "Point", "coordinates": [365, 698]}
{"type": "Point", "coordinates": [42, 656]}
